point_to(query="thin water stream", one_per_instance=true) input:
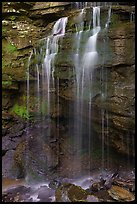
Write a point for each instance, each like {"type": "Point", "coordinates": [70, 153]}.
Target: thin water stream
{"type": "Point", "coordinates": [81, 141]}
{"type": "Point", "coordinates": [85, 56]}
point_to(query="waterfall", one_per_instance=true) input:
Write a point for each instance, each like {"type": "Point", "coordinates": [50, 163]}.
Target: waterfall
{"type": "Point", "coordinates": [80, 5]}
{"type": "Point", "coordinates": [77, 105]}
{"type": "Point", "coordinates": [45, 81]}
{"type": "Point", "coordinates": [108, 18]}
{"type": "Point", "coordinates": [51, 51]}
{"type": "Point", "coordinates": [84, 65]}
{"type": "Point", "coordinates": [104, 111]}
{"type": "Point", "coordinates": [132, 17]}
{"type": "Point", "coordinates": [84, 62]}
{"type": "Point", "coordinates": [59, 27]}
{"type": "Point", "coordinates": [28, 101]}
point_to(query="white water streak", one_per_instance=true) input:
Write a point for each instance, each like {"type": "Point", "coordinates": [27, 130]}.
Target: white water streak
{"type": "Point", "coordinates": [51, 51]}
{"type": "Point", "coordinates": [108, 18]}
{"type": "Point", "coordinates": [84, 66]}
{"type": "Point", "coordinates": [28, 81]}
{"type": "Point", "coordinates": [89, 133]}
{"type": "Point", "coordinates": [45, 72]}
{"type": "Point", "coordinates": [38, 87]}
{"type": "Point", "coordinates": [104, 111]}
{"type": "Point", "coordinates": [78, 103]}
{"type": "Point", "coordinates": [103, 137]}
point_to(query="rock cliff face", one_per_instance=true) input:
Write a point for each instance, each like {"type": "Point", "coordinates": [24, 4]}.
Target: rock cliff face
{"type": "Point", "coordinates": [115, 95]}
{"type": "Point", "coordinates": [23, 25]}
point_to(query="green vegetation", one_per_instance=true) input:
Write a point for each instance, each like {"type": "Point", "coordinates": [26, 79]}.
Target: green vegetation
{"type": "Point", "coordinates": [76, 193]}
{"type": "Point", "coordinates": [115, 21]}
{"type": "Point", "coordinates": [6, 83]}
{"type": "Point", "coordinates": [21, 111]}
{"type": "Point", "coordinates": [9, 53]}
{"type": "Point", "coordinates": [11, 48]}
{"type": "Point", "coordinates": [8, 49]}
{"type": "Point", "coordinates": [12, 18]}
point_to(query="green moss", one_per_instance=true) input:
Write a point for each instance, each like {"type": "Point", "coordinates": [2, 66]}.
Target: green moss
{"type": "Point", "coordinates": [80, 201]}
{"type": "Point", "coordinates": [76, 193]}
{"type": "Point", "coordinates": [115, 21]}
{"type": "Point", "coordinates": [11, 48]}
{"type": "Point", "coordinates": [12, 18]}
{"type": "Point", "coordinates": [21, 111]}
{"type": "Point", "coordinates": [6, 83]}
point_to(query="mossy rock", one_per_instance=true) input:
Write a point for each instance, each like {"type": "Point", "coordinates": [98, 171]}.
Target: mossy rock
{"type": "Point", "coordinates": [8, 48]}
{"type": "Point", "coordinates": [71, 193]}
{"type": "Point", "coordinates": [20, 111]}
{"type": "Point", "coordinates": [76, 193]}
{"type": "Point", "coordinates": [7, 84]}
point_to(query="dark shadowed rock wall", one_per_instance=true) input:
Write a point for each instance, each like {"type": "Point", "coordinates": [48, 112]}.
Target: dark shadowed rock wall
{"type": "Point", "coordinates": [23, 25]}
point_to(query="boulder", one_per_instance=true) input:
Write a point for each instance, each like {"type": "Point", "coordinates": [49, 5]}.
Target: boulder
{"type": "Point", "coordinates": [25, 26]}
{"type": "Point", "coordinates": [121, 194]}
{"type": "Point", "coordinates": [70, 193]}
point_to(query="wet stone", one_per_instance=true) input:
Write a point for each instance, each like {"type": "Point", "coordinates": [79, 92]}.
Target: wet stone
{"type": "Point", "coordinates": [96, 187]}
{"type": "Point", "coordinates": [91, 198]}
{"type": "Point", "coordinates": [18, 194]}
{"type": "Point", "coordinates": [68, 192]}
{"type": "Point", "coordinates": [120, 194]}
{"type": "Point", "coordinates": [45, 194]}
{"type": "Point", "coordinates": [128, 184]}
{"type": "Point", "coordinates": [54, 184]}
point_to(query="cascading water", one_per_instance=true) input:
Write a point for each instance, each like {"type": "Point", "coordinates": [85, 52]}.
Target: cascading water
{"type": "Point", "coordinates": [85, 59]}
{"type": "Point", "coordinates": [84, 64]}
{"type": "Point", "coordinates": [104, 112]}
{"type": "Point", "coordinates": [77, 105]}
{"type": "Point", "coordinates": [80, 5]}
{"type": "Point", "coordinates": [108, 18]}
{"type": "Point", "coordinates": [80, 110]}
{"type": "Point", "coordinates": [45, 83]}
{"type": "Point", "coordinates": [132, 17]}
{"type": "Point", "coordinates": [51, 51]}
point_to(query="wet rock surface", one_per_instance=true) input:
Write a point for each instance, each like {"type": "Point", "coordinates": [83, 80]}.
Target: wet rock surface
{"type": "Point", "coordinates": [21, 29]}
{"type": "Point", "coordinates": [45, 194]}
{"type": "Point", "coordinates": [70, 193]}
{"type": "Point", "coordinates": [7, 164]}
{"type": "Point", "coordinates": [70, 190]}
{"type": "Point", "coordinates": [55, 156]}
{"type": "Point", "coordinates": [120, 194]}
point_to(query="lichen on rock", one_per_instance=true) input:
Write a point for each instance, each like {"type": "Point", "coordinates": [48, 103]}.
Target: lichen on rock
{"type": "Point", "coordinates": [70, 193]}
